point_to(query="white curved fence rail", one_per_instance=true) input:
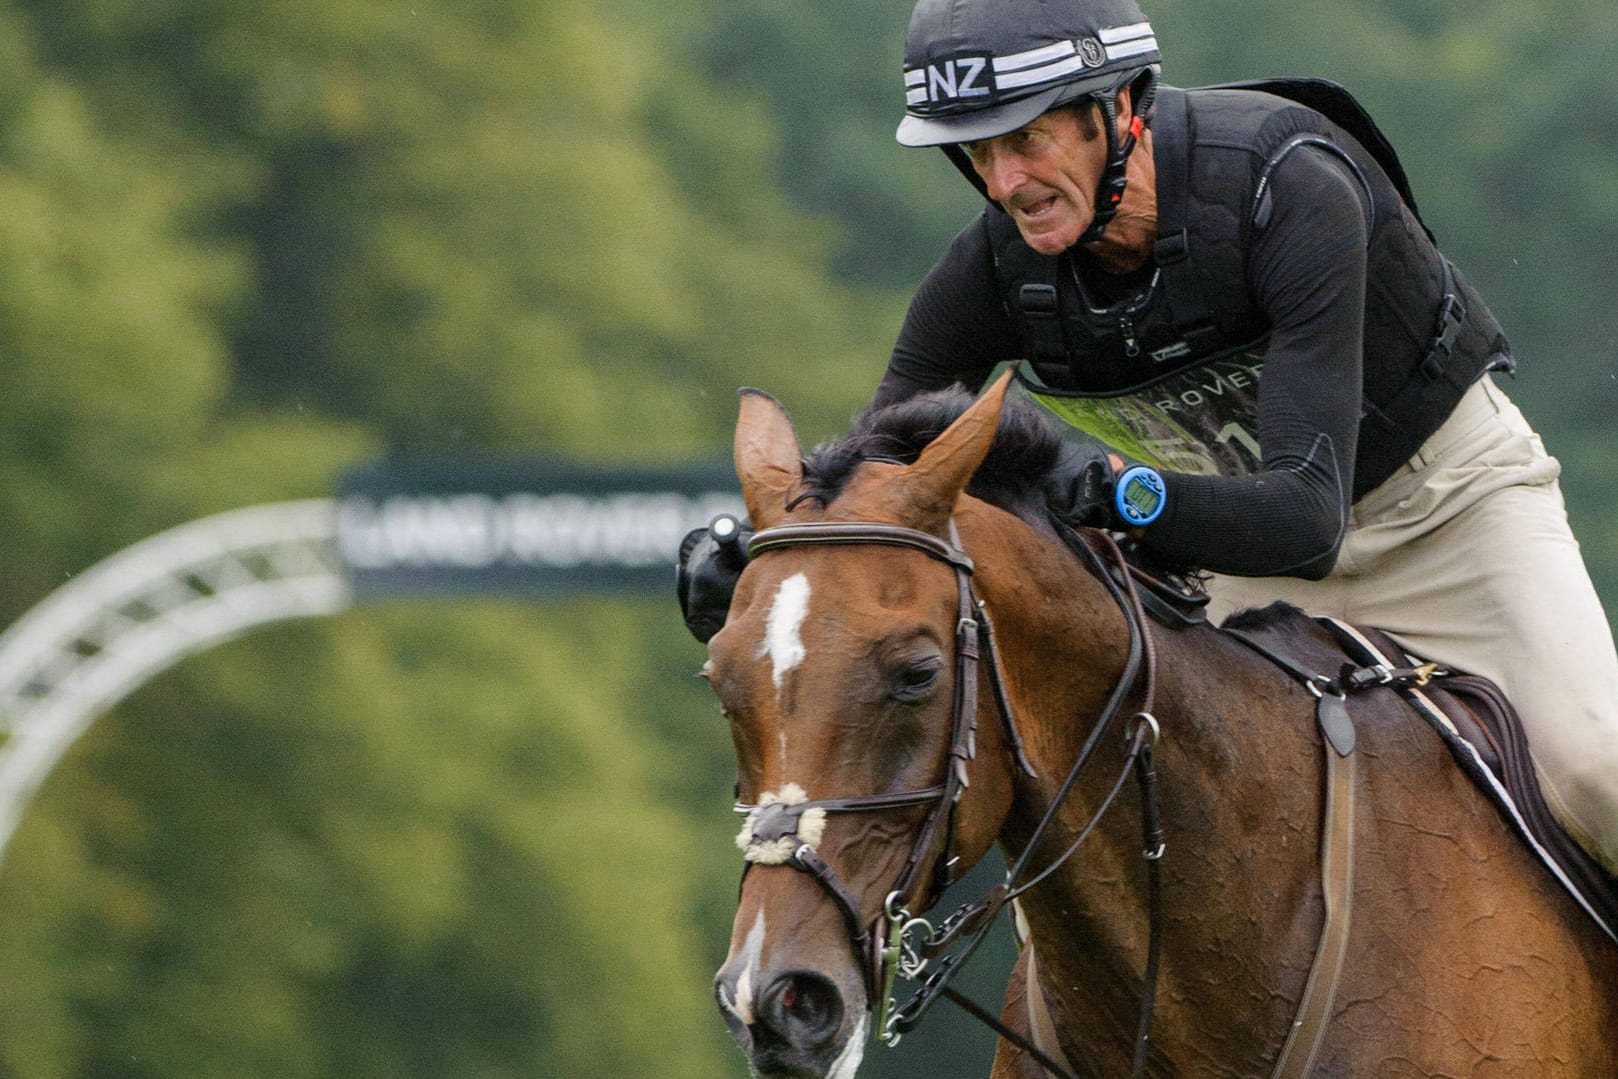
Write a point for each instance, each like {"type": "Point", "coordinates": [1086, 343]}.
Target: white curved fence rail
{"type": "Point", "coordinates": [97, 638]}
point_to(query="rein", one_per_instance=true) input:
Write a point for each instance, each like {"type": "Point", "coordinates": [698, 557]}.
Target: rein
{"type": "Point", "coordinates": [885, 956]}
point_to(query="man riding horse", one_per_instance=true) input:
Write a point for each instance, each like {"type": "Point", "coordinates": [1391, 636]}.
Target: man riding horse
{"type": "Point", "coordinates": [1231, 288]}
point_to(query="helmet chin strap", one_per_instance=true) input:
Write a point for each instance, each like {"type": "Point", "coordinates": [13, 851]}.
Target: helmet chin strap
{"type": "Point", "coordinates": [1115, 177]}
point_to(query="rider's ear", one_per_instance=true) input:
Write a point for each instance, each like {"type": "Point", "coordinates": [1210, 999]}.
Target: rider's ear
{"type": "Point", "coordinates": [769, 461]}
{"type": "Point", "coordinates": [941, 473]}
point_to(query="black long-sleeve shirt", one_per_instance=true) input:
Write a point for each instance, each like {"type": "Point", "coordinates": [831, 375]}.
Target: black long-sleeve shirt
{"type": "Point", "coordinates": [1306, 272]}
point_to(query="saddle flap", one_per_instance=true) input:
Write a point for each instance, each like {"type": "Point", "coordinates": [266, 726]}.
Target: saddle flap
{"type": "Point", "coordinates": [1484, 734]}
{"type": "Point", "coordinates": [1468, 712]}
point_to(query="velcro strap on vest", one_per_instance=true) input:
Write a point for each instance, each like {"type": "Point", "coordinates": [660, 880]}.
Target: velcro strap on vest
{"type": "Point", "coordinates": [1042, 319]}
{"type": "Point", "coordinates": [1171, 153]}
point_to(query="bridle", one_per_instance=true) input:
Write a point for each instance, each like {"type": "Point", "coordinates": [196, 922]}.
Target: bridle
{"type": "Point", "coordinates": [769, 823]}
{"type": "Point", "coordinates": [885, 948]}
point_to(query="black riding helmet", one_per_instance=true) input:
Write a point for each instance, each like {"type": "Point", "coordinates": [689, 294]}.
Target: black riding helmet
{"type": "Point", "coordinates": [975, 69]}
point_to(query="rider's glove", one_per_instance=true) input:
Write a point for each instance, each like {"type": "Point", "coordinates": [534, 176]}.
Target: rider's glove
{"type": "Point", "coordinates": [711, 559]}
{"type": "Point", "coordinates": [1079, 486]}
{"type": "Point", "coordinates": [1084, 489]}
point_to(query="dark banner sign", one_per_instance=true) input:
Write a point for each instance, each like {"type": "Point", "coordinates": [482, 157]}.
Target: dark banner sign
{"type": "Point", "coordinates": [521, 526]}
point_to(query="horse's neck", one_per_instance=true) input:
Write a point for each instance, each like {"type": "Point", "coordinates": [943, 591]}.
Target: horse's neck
{"type": "Point", "coordinates": [1064, 642]}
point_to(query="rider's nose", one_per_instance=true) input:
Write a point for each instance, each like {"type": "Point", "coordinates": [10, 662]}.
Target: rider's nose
{"type": "Point", "coordinates": [801, 1009]}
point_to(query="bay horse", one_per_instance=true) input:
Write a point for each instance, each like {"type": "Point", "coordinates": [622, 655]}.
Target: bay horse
{"type": "Point", "coordinates": [843, 672]}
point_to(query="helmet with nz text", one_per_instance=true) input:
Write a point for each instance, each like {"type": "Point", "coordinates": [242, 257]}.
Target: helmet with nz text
{"type": "Point", "coordinates": [975, 69]}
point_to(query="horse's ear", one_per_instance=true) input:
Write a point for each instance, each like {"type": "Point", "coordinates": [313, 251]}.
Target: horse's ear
{"type": "Point", "coordinates": [769, 461]}
{"type": "Point", "coordinates": [941, 473]}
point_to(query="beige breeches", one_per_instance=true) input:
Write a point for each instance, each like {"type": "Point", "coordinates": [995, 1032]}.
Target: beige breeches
{"type": "Point", "coordinates": [1464, 555]}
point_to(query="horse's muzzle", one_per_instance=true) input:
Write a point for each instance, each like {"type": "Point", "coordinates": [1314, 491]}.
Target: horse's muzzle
{"type": "Point", "coordinates": [791, 1028]}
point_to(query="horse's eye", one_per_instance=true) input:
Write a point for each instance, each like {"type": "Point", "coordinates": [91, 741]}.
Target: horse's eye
{"type": "Point", "coordinates": [915, 681]}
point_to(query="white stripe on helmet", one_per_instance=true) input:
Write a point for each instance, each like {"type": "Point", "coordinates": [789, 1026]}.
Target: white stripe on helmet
{"type": "Point", "coordinates": [1034, 75]}
{"type": "Point", "coordinates": [1131, 48]}
{"type": "Point", "coordinates": [1124, 33]}
{"type": "Point", "coordinates": [1041, 55]}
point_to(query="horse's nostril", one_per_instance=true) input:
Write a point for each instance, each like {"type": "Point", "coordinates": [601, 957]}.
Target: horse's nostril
{"type": "Point", "coordinates": [803, 1008]}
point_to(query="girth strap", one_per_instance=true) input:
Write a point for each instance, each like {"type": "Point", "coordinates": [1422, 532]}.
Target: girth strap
{"type": "Point", "coordinates": [1297, 1057]}
{"type": "Point", "coordinates": [1308, 1030]}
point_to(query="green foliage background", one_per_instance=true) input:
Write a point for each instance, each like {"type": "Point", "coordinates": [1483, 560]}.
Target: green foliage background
{"type": "Point", "coordinates": [244, 246]}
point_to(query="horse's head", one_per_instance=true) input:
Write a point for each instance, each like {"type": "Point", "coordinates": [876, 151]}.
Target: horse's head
{"type": "Point", "coordinates": [837, 670]}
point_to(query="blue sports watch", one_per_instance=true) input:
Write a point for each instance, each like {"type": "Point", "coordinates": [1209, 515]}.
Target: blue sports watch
{"type": "Point", "coordinates": [1139, 496]}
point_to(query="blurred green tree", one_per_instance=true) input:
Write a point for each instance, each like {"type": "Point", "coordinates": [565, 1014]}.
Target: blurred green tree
{"type": "Point", "coordinates": [242, 247]}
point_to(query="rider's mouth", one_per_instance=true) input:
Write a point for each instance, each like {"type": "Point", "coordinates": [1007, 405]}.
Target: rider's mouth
{"type": "Point", "coordinates": [1037, 208]}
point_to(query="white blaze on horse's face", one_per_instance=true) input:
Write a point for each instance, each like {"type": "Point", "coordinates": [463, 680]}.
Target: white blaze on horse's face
{"type": "Point", "coordinates": [783, 642]}
{"type": "Point", "coordinates": [742, 1006]}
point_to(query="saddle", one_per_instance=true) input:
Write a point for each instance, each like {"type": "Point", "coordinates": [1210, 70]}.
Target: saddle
{"type": "Point", "coordinates": [1470, 715]}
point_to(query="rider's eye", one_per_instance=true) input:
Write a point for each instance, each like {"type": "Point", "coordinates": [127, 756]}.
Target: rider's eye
{"type": "Point", "coordinates": [915, 681]}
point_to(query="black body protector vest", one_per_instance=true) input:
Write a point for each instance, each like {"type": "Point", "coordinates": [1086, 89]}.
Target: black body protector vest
{"type": "Point", "coordinates": [1169, 373]}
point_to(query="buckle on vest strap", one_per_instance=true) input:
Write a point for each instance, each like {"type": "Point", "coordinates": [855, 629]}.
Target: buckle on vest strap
{"type": "Point", "coordinates": [1172, 247]}
{"type": "Point", "coordinates": [1037, 301]}
{"type": "Point", "coordinates": [1451, 313]}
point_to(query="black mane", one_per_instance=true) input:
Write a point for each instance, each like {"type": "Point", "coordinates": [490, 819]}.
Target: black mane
{"type": "Point", "coordinates": [1011, 476]}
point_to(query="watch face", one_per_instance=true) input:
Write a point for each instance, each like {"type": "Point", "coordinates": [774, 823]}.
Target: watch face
{"type": "Point", "coordinates": [1140, 495]}
{"type": "Point", "coordinates": [1141, 499]}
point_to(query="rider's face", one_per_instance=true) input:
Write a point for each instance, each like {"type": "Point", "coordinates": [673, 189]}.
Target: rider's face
{"type": "Point", "coordinates": [1045, 175]}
